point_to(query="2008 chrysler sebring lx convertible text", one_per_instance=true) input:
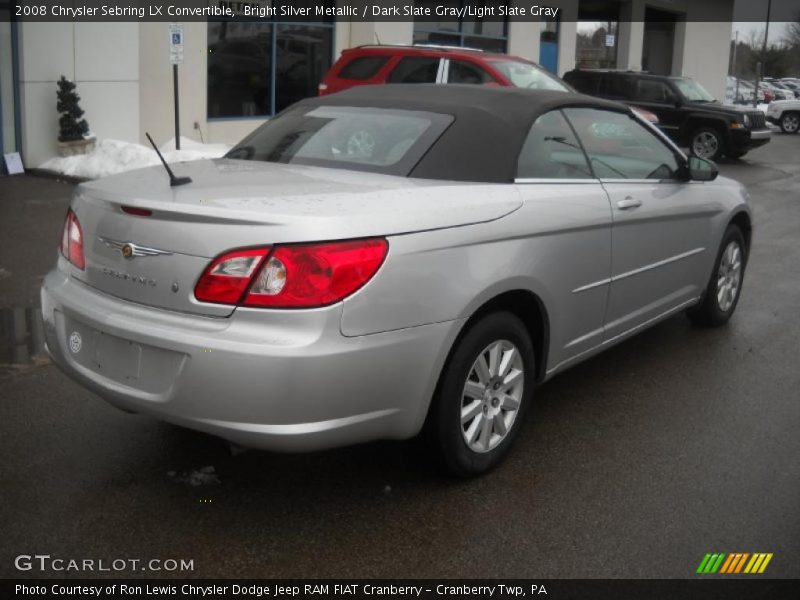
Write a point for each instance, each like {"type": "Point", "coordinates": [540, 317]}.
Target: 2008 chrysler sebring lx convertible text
{"type": "Point", "coordinates": [386, 258]}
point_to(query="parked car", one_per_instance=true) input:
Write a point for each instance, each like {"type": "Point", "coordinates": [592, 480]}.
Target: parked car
{"type": "Point", "coordinates": [785, 114]}
{"type": "Point", "coordinates": [746, 93]}
{"type": "Point", "coordinates": [793, 86]}
{"type": "Point", "coordinates": [370, 65]}
{"type": "Point", "coordinates": [778, 91]}
{"type": "Point", "coordinates": [376, 65]}
{"type": "Point", "coordinates": [745, 96]}
{"type": "Point", "coordinates": [686, 111]}
{"type": "Point", "coordinates": [390, 260]}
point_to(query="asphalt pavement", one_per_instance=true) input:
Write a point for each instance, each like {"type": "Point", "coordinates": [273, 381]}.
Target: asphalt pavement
{"type": "Point", "coordinates": [636, 463]}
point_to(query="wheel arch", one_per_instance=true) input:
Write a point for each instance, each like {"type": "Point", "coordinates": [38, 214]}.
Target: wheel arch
{"type": "Point", "coordinates": [743, 221]}
{"type": "Point", "coordinates": [693, 123]}
{"type": "Point", "coordinates": [531, 310]}
{"type": "Point", "coordinates": [524, 304]}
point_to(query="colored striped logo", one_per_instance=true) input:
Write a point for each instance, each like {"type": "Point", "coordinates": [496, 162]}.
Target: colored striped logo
{"type": "Point", "coordinates": [736, 562]}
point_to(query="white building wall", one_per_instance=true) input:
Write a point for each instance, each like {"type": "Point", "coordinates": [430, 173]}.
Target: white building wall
{"type": "Point", "coordinates": [523, 39]}
{"type": "Point", "coordinates": [102, 59]}
{"type": "Point", "coordinates": [706, 49]}
{"type": "Point", "coordinates": [156, 85]}
{"type": "Point", "coordinates": [631, 36]}
{"type": "Point", "coordinates": [568, 33]}
{"type": "Point", "coordinates": [364, 33]}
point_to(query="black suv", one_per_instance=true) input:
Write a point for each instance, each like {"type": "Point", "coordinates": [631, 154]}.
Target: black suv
{"type": "Point", "coordinates": [686, 111]}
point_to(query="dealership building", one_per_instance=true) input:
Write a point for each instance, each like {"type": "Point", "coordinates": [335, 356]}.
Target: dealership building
{"type": "Point", "coordinates": [236, 74]}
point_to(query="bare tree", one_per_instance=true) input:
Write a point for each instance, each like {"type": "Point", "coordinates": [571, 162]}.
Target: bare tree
{"type": "Point", "coordinates": [793, 33]}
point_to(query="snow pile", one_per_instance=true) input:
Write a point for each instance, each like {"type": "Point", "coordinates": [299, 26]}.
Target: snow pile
{"type": "Point", "coordinates": [114, 156]}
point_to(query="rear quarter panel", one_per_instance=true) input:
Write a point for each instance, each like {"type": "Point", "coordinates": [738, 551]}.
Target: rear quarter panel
{"type": "Point", "coordinates": [556, 242]}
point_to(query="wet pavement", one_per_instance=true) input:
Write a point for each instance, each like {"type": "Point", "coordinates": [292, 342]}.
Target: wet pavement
{"type": "Point", "coordinates": [679, 442]}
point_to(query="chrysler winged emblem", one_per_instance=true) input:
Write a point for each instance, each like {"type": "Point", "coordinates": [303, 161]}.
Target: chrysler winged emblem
{"type": "Point", "coordinates": [131, 250]}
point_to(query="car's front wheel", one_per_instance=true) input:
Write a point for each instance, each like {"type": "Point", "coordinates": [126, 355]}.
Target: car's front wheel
{"type": "Point", "coordinates": [485, 389]}
{"type": "Point", "coordinates": [706, 142]}
{"type": "Point", "coordinates": [790, 122]}
{"type": "Point", "coordinates": [725, 286]}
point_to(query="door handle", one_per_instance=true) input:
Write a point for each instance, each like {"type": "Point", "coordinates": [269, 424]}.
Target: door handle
{"type": "Point", "coordinates": [628, 203]}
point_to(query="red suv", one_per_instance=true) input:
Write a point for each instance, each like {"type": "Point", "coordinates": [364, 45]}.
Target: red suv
{"type": "Point", "coordinates": [368, 65]}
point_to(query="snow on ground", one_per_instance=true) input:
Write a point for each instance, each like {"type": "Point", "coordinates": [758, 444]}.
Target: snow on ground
{"type": "Point", "coordinates": [115, 156]}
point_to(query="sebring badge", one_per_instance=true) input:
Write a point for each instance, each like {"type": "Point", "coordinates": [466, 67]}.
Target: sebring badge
{"type": "Point", "coordinates": [131, 250]}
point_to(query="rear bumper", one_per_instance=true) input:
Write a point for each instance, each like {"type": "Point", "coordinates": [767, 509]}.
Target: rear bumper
{"type": "Point", "coordinates": [277, 380]}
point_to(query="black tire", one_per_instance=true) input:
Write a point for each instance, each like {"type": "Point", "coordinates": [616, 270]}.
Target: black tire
{"type": "Point", "coordinates": [446, 430]}
{"type": "Point", "coordinates": [704, 137]}
{"type": "Point", "coordinates": [790, 122]}
{"type": "Point", "coordinates": [710, 312]}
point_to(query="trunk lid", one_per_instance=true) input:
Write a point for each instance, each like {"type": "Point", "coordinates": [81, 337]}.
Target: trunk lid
{"type": "Point", "coordinates": [233, 204]}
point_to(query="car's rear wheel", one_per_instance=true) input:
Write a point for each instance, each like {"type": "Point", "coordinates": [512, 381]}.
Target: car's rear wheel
{"type": "Point", "coordinates": [790, 122]}
{"type": "Point", "coordinates": [725, 286]}
{"type": "Point", "coordinates": [706, 142]}
{"type": "Point", "coordinates": [485, 389]}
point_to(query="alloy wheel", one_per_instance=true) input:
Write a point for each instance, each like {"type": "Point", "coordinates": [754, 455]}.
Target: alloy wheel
{"type": "Point", "coordinates": [729, 276]}
{"type": "Point", "coordinates": [705, 145]}
{"type": "Point", "coordinates": [492, 395]}
{"type": "Point", "coordinates": [790, 123]}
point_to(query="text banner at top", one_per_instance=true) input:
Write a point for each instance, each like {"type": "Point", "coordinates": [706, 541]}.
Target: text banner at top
{"type": "Point", "coordinates": [364, 10]}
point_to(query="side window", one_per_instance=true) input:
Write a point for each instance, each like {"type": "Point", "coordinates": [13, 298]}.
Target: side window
{"type": "Point", "coordinates": [415, 69]}
{"type": "Point", "coordinates": [654, 91]}
{"type": "Point", "coordinates": [551, 151]}
{"type": "Point", "coordinates": [363, 67]}
{"type": "Point", "coordinates": [619, 147]}
{"type": "Point", "coordinates": [618, 87]}
{"type": "Point", "coordinates": [464, 72]}
{"type": "Point", "coordinates": [585, 83]}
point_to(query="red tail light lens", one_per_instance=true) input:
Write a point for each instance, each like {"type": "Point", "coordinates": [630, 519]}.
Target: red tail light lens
{"type": "Point", "coordinates": [294, 276]}
{"type": "Point", "coordinates": [311, 275]}
{"type": "Point", "coordinates": [72, 241]}
{"type": "Point", "coordinates": [227, 278]}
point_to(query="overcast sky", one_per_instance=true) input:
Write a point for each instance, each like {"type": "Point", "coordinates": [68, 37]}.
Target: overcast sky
{"type": "Point", "coordinates": [751, 15]}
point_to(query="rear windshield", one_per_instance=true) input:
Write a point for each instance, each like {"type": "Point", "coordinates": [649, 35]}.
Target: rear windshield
{"type": "Point", "coordinates": [526, 75]}
{"type": "Point", "coordinates": [378, 140]}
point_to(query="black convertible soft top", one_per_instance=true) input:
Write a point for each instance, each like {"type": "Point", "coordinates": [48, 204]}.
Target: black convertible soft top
{"type": "Point", "coordinates": [489, 127]}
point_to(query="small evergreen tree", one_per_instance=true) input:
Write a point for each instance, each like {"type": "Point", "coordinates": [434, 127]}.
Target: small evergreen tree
{"type": "Point", "coordinates": [71, 126]}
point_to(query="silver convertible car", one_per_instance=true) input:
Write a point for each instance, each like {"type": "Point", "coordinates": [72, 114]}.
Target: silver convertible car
{"type": "Point", "coordinates": [390, 261]}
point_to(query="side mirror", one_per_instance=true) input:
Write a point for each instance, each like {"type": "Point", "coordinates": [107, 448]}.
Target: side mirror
{"type": "Point", "coordinates": [701, 169]}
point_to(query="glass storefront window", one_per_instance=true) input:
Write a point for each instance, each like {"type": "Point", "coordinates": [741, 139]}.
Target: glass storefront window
{"type": "Point", "coordinates": [303, 57]}
{"type": "Point", "coordinates": [482, 34]}
{"type": "Point", "coordinates": [256, 68]}
{"type": "Point", "coordinates": [239, 69]}
{"type": "Point", "coordinates": [596, 46]}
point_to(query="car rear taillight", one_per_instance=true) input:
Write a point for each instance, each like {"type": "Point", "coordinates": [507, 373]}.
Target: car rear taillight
{"type": "Point", "coordinates": [292, 276]}
{"type": "Point", "coordinates": [72, 241]}
{"type": "Point", "coordinates": [227, 278]}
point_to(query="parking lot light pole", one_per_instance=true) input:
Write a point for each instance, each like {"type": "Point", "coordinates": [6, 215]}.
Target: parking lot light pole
{"type": "Point", "coordinates": [759, 70]}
